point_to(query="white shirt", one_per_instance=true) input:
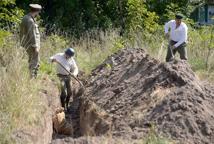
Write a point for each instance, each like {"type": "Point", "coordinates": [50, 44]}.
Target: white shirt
{"type": "Point", "coordinates": [69, 64]}
{"type": "Point", "coordinates": [177, 34]}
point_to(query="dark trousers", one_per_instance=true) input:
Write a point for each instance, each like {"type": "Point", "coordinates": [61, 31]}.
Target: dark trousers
{"type": "Point", "coordinates": [66, 92]}
{"type": "Point", "coordinates": [181, 50]}
{"type": "Point", "coordinates": [33, 60]}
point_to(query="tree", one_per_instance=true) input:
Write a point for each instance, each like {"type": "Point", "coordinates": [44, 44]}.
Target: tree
{"type": "Point", "coordinates": [10, 15]}
{"type": "Point", "coordinates": [166, 8]}
{"type": "Point", "coordinates": [139, 17]}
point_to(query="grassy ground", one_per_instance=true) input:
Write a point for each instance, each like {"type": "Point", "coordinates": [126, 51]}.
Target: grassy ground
{"type": "Point", "coordinates": [20, 105]}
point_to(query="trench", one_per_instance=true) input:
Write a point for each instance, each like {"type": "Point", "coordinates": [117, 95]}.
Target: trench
{"type": "Point", "coordinates": [72, 116]}
{"type": "Point", "coordinates": [86, 118]}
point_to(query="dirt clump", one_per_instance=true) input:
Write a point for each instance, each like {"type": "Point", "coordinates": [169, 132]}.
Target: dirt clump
{"type": "Point", "coordinates": [138, 92]}
{"type": "Point", "coordinates": [60, 124]}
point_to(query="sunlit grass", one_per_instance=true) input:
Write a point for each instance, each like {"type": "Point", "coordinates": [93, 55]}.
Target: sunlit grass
{"type": "Point", "coordinates": [21, 105]}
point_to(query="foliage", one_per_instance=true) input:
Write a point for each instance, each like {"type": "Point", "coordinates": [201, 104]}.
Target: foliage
{"type": "Point", "coordinates": [10, 14]}
{"type": "Point", "coordinates": [166, 9]}
{"type": "Point", "coordinates": [76, 17]}
{"type": "Point", "coordinates": [139, 17]}
{"type": "Point", "coordinates": [201, 43]}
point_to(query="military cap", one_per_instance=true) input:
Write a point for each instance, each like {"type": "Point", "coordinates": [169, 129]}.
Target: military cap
{"type": "Point", "coordinates": [35, 6]}
{"type": "Point", "coordinates": [179, 16]}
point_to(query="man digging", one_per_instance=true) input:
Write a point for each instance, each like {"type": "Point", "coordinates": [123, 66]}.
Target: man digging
{"type": "Point", "coordinates": [30, 38]}
{"type": "Point", "coordinates": [177, 38]}
{"type": "Point", "coordinates": [66, 65]}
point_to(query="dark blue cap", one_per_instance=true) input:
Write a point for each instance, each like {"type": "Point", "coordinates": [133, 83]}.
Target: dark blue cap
{"type": "Point", "coordinates": [70, 52]}
{"type": "Point", "coordinates": [179, 16]}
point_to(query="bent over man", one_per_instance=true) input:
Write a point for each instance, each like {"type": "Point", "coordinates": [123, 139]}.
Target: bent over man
{"type": "Point", "coordinates": [177, 38]}
{"type": "Point", "coordinates": [65, 63]}
{"type": "Point", "coordinates": [30, 38]}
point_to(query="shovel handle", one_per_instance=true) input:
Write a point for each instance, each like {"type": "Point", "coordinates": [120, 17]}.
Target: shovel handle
{"type": "Point", "coordinates": [70, 73]}
{"type": "Point", "coordinates": [170, 47]}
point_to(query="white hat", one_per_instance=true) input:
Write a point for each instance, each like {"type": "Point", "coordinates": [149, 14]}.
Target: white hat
{"type": "Point", "coordinates": [36, 6]}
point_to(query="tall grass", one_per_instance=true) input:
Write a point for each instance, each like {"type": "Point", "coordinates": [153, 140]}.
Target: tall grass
{"type": "Point", "coordinates": [92, 48]}
{"type": "Point", "coordinates": [20, 104]}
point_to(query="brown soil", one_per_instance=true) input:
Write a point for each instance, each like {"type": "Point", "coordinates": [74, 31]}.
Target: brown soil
{"type": "Point", "coordinates": [134, 92]}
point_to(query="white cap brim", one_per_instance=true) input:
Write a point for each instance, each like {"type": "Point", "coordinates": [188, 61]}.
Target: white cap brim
{"type": "Point", "coordinates": [36, 6]}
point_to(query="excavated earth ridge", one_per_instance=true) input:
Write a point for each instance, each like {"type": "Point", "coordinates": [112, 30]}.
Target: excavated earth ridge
{"type": "Point", "coordinates": [132, 93]}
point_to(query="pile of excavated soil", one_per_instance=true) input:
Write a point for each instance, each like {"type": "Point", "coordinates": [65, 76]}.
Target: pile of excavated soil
{"type": "Point", "coordinates": [138, 92]}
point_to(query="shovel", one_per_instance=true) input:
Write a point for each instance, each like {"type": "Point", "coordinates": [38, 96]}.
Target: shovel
{"type": "Point", "coordinates": [173, 56]}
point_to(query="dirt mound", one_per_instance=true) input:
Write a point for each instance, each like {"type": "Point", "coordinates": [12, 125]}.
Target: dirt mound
{"type": "Point", "coordinates": [138, 91]}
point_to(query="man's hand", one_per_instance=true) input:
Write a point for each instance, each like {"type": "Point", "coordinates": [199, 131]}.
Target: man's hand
{"type": "Point", "coordinates": [167, 35]}
{"type": "Point", "coordinates": [173, 47]}
{"type": "Point", "coordinates": [72, 74]}
{"type": "Point", "coordinates": [53, 60]}
{"type": "Point", "coordinates": [36, 49]}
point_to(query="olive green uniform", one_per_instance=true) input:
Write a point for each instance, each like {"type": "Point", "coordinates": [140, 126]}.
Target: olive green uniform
{"type": "Point", "coordinates": [30, 40]}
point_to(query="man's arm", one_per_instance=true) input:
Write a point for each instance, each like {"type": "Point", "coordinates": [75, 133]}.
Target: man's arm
{"type": "Point", "coordinates": [53, 58]}
{"type": "Point", "coordinates": [166, 28]}
{"type": "Point", "coordinates": [183, 37]}
{"type": "Point", "coordinates": [74, 69]}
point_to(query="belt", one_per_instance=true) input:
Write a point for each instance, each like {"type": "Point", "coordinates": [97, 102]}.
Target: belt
{"type": "Point", "coordinates": [175, 41]}
{"type": "Point", "coordinates": [61, 75]}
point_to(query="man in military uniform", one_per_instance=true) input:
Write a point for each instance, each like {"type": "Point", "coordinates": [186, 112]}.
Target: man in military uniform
{"type": "Point", "coordinates": [30, 38]}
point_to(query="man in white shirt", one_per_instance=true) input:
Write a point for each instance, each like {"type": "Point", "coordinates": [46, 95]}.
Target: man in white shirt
{"type": "Point", "coordinates": [177, 38]}
{"type": "Point", "coordinates": [67, 61]}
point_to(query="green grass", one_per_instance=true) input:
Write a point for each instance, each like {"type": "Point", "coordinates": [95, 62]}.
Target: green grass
{"type": "Point", "coordinates": [154, 138]}
{"type": "Point", "coordinates": [20, 104]}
